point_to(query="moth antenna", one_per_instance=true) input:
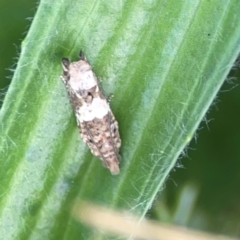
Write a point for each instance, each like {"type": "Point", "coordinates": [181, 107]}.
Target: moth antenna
{"type": "Point", "coordinates": [65, 64]}
{"type": "Point", "coordinates": [82, 56]}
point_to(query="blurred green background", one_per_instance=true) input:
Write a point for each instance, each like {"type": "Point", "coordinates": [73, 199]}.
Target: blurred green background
{"type": "Point", "coordinates": [203, 190]}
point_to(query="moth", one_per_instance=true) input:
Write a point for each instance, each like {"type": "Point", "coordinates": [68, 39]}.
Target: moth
{"type": "Point", "coordinates": [97, 124]}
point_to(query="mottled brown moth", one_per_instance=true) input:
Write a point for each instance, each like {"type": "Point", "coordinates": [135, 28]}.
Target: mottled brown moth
{"type": "Point", "coordinates": [95, 120]}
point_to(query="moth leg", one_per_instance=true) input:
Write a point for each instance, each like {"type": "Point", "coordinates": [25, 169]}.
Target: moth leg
{"type": "Point", "coordinates": [109, 99]}
{"type": "Point", "coordinates": [104, 164]}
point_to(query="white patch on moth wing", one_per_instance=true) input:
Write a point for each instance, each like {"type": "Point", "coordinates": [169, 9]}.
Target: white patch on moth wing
{"type": "Point", "coordinates": [81, 76]}
{"type": "Point", "coordinates": [97, 109]}
{"type": "Point", "coordinates": [105, 146]}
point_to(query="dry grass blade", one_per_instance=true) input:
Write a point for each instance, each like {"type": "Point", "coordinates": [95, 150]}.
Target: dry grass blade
{"type": "Point", "coordinates": [127, 225]}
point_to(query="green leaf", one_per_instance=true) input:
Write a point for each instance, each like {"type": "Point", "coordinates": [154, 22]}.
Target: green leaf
{"type": "Point", "coordinates": [164, 61]}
